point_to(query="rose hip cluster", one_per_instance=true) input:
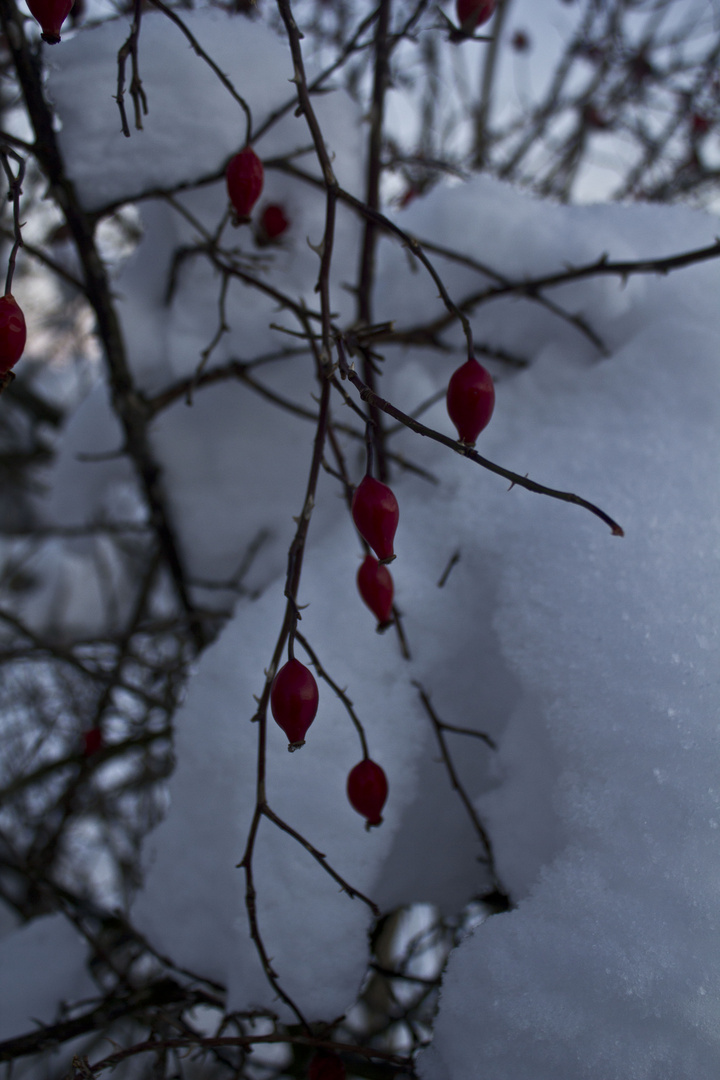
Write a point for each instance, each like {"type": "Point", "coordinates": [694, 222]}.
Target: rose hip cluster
{"type": "Point", "coordinates": [294, 693]}
{"type": "Point", "coordinates": [375, 512]}
{"type": "Point", "coordinates": [244, 177]}
{"type": "Point", "coordinates": [293, 703]}
{"type": "Point", "coordinates": [470, 401]}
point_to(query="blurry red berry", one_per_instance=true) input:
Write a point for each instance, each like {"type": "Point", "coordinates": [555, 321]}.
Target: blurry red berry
{"type": "Point", "coordinates": [700, 124]}
{"type": "Point", "coordinates": [375, 585]}
{"type": "Point", "coordinates": [51, 14]}
{"type": "Point", "coordinates": [594, 118]}
{"type": "Point", "coordinates": [367, 790]}
{"type": "Point", "coordinates": [273, 222]}
{"type": "Point", "coordinates": [92, 741]}
{"type": "Point", "coordinates": [472, 13]}
{"type": "Point", "coordinates": [520, 41]}
{"type": "Point", "coordinates": [244, 177]}
{"type": "Point", "coordinates": [470, 400]}
{"type": "Point", "coordinates": [13, 332]}
{"type": "Point", "coordinates": [294, 701]}
{"type": "Point", "coordinates": [326, 1067]}
{"type": "Point", "coordinates": [376, 514]}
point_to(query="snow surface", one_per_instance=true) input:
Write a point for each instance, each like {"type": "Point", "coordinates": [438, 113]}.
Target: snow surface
{"type": "Point", "coordinates": [593, 661]}
{"type": "Point", "coordinates": [193, 125]}
{"type": "Point", "coordinates": [51, 946]}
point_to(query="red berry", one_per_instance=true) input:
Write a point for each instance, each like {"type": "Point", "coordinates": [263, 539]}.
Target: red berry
{"type": "Point", "coordinates": [92, 741]}
{"type": "Point", "coordinates": [294, 701]}
{"type": "Point", "coordinates": [51, 14]}
{"type": "Point", "coordinates": [376, 514]}
{"type": "Point", "coordinates": [326, 1067]}
{"type": "Point", "coordinates": [13, 333]}
{"type": "Point", "coordinates": [367, 790]}
{"type": "Point", "coordinates": [594, 118]}
{"type": "Point", "coordinates": [700, 124]}
{"type": "Point", "coordinates": [470, 400]}
{"type": "Point", "coordinates": [376, 588]}
{"type": "Point", "coordinates": [273, 222]}
{"type": "Point", "coordinates": [472, 13]}
{"type": "Point", "coordinates": [244, 176]}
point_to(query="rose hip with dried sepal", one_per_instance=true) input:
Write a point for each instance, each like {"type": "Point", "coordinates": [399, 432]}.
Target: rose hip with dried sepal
{"type": "Point", "coordinates": [367, 790]}
{"type": "Point", "coordinates": [376, 514]}
{"type": "Point", "coordinates": [244, 177]}
{"type": "Point", "coordinates": [294, 701]}
{"type": "Point", "coordinates": [51, 14]}
{"type": "Point", "coordinates": [470, 400]}
{"type": "Point", "coordinates": [473, 13]}
{"type": "Point", "coordinates": [375, 585]}
{"type": "Point", "coordinates": [13, 332]}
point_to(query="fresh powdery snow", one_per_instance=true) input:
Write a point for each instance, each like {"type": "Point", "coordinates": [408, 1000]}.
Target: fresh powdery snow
{"type": "Point", "coordinates": [592, 660]}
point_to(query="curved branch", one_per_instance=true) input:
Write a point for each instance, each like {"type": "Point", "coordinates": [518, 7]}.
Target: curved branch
{"type": "Point", "coordinates": [465, 451]}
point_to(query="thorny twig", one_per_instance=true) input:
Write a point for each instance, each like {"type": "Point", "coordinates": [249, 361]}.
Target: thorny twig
{"type": "Point", "coordinates": [480, 829]}
{"type": "Point", "coordinates": [139, 99]}
{"type": "Point", "coordinates": [461, 448]}
{"type": "Point", "coordinates": [15, 183]}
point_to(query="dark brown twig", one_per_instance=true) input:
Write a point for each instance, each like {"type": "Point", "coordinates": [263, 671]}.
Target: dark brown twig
{"type": "Point", "coordinates": [439, 728]}
{"type": "Point", "coordinates": [15, 183]}
{"type": "Point", "coordinates": [139, 98]}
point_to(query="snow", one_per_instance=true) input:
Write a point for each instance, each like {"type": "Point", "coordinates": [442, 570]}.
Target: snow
{"type": "Point", "coordinates": [193, 124]}
{"type": "Point", "coordinates": [592, 661]}
{"type": "Point", "coordinates": [607, 968]}
{"type": "Point", "coordinates": [50, 945]}
{"type": "Point", "coordinates": [543, 644]}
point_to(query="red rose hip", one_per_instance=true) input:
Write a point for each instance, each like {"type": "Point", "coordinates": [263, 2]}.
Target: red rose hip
{"type": "Point", "coordinates": [244, 177]}
{"type": "Point", "coordinates": [13, 332]}
{"type": "Point", "coordinates": [367, 790]}
{"type": "Point", "coordinates": [472, 13]}
{"type": "Point", "coordinates": [51, 14]}
{"type": "Point", "coordinates": [376, 514]}
{"type": "Point", "coordinates": [375, 585]}
{"type": "Point", "coordinates": [699, 124]}
{"type": "Point", "coordinates": [273, 222]}
{"type": "Point", "coordinates": [294, 701]}
{"type": "Point", "coordinates": [470, 400]}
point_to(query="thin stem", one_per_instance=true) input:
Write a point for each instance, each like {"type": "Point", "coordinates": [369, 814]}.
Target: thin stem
{"type": "Point", "coordinates": [321, 859]}
{"type": "Point", "coordinates": [337, 689]}
{"type": "Point", "coordinates": [15, 191]}
{"type": "Point", "coordinates": [372, 199]}
{"type": "Point", "coordinates": [439, 728]}
{"type": "Point", "coordinates": [175, 18]}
